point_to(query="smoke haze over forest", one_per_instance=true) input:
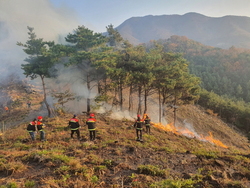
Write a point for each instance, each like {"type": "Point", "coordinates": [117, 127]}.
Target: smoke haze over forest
{"type": "Point", "coordinates": [49, 23]}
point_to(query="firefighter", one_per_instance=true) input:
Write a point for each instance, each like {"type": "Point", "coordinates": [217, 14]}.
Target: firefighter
{"type": "Point", "coordinates": [147, 123]}
{"type": "Point", "coordinates": [6, 109]}
{"type": "Point", "coordinates": [31, 128]}
{"type": "Point", "coordinates": [74, 126]}
{"type": "Point", "coordinates": [139, 126]}
{"type": "Point", "coordinates": [28, 104]}
{"type": "Point", "coordinates": [91, 122]}
{"type": "Point", "coordinates": [40, 128]}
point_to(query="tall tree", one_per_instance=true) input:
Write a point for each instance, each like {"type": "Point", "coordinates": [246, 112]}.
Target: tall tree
{"type": "Point", "coordinates": [84, 41]}
{"type": "Point", "coordinates": [173, 81]}
{"type": "Point", "coordinates": [114, 37]}
{"type": "Point", "coordinates": [40, 60]}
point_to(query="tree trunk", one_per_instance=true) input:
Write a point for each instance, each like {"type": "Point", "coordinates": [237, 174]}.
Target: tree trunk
{"type": "Point", "coordinates": [160, 109]}
{"type": "Point", "coordinates": [175, 108]}
{"type": "Point", "coordinates": [139, 102]}
{"type": "Point", "coordinates": [45, 97]}
{"type": "Point", "coordinates": [88, 97]}
{"type": "Point", "coordinates": [121, 96]}
{"type": "Point", "coordinates": [99, 87]}
{"type": "Point", "coordinates": [105, 86]}
{"type": "Point", "coordinates": [130, 107]}
{"type": "Point", "coordinates": [145, 101]}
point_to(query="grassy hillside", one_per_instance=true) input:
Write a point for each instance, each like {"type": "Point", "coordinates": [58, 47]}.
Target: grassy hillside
{"type": "Point", "coordinates": [201, 151]}
{"type": "Point", "coordinates": [115, 159]}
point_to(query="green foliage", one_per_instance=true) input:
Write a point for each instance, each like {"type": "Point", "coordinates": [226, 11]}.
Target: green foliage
{"type": "Point", "coordinates": [189, 183]}
{"type": "Point", "coordinates": [94, 179]}
{"type": "Point", "coordinates": [233, 111]}
{"type": "Point", "coordinates": [60, 158]}
{"type": "Point", "coordinates": [40, 59]}
{"type": "Point", "coordinates": [235, 184]}
{"type": "Point", "coordinates": [42, 56]}
{"type": "Point", "coordinates": [63, 169]}
{"type": "Point", "coordinates": [84, 39]}
{"type": "Point", "coordinates": [114, 37]}
{"type": "Point", "coordinates": [21, 146]}
{"type": "Point", "coordinates": [108, 162]}
{"type": "Point", "coordinates": [63, 97]}
{"type": "Point", "coordinates": [29, 184]}
{"type": "Point", "coordinates": [65, 177]}
{"type": "Point", "coordinates": [204, 153]}
{"type": "Point", "coordinates": [224, 72]}
{"type": "Point", "coordinates": [11, 185]}
{"type": "Point", "coordinates": [151, 170]}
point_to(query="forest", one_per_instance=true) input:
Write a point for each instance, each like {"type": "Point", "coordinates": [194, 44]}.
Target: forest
{"type": "Point", "coordinates": [224, 75]}
{"type": "Point", "coordinates": [176, 71]}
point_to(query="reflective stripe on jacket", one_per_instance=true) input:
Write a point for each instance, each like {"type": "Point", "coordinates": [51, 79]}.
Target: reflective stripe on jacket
{"type": "Point", "coordinates": [40, 126]}
{"type": "Point", "coordinates": [147, 122]}
{"type": "Point", "coordinates": [139, 124]}
{"type": "Point", "coordinates": [91, 122]}
{"type": "Point", "coordinates": [31, 126]}
{"type": "Point", "coordinates": [74, 124]}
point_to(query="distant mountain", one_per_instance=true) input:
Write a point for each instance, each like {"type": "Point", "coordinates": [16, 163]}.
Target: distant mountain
{"type": "Point", "coordinates": [222, 32]}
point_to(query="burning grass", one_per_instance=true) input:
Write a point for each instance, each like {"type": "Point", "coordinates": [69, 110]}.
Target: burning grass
{"type": "Point", "coordinates": [116, 159]}
{"type": "Point", "coordinates": [186, 132]}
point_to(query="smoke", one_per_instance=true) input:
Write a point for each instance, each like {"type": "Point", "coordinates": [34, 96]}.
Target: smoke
{"type": "Point", "coordinates": [49, 23]}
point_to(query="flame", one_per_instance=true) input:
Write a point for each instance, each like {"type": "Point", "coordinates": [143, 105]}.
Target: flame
{"type": "Point", "coordinates": [215, 141]}
{"type": "Point", "coordinates": [186, 132]}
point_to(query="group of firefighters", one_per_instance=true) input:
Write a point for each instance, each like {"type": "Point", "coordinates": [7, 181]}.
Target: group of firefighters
{"type": "Point", "coordinates": [38, 126]}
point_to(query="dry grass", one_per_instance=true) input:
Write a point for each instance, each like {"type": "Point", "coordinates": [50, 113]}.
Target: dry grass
{"type": "Point", "coordinates": [114, 158]}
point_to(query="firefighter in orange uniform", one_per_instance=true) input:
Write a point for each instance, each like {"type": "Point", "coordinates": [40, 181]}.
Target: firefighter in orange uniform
{"type": "Point", "coordinates": [91, 122]}
{"type": "Point", "coordinates": [31, 128]}
{"type": "Point", "coordinates": [40, 128]}
{"type": "Point", "coordinates": [139, 126]}
{"type": "Point", "coordinates": [6, 109]}
{"type": "Point", "coordinates": [147, 122]}
{"type": "Point", "coordinates": [74, 126]}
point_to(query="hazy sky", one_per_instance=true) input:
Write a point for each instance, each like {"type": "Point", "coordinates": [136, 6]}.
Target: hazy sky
{"type": "Point", "coordinates": [97, 14]}
{"type": "Point", "coordinates": [51, 18]}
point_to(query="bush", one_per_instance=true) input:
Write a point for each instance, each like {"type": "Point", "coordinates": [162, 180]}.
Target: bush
{"type": "Point", "coordinates": [151, 170]}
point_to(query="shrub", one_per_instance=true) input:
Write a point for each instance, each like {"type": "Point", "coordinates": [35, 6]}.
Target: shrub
{"type": "Point", "coordinates": [30, 184]}
{"type": "Point", "coordinates": [94, 179]}
{"type": "Point", "coordinates": [151, 170]}
{"type": "Point", "coordinates": [12, 185]}
{"type": "Point", "coordinates": [189, 183]}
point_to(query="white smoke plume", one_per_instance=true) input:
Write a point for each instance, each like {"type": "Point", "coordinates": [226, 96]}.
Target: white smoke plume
{"type": "Point", "coordinates": [49, 23]}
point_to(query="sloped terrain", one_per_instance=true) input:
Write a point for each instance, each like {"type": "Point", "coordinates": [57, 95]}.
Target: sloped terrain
{"type": "Point", "coordinates": [222, 32]}
{"type": "Point", "coordinates": [200, 151]}
{"type": "Point", "coordinates": [116, 159]}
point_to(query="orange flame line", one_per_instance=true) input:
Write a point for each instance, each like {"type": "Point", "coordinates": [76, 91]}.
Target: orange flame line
{"type": "Point", "coordinates": [186, 132]}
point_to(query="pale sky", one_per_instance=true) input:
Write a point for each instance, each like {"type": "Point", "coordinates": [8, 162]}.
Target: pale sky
{"type": "Point", "coordinates": [97, 14]}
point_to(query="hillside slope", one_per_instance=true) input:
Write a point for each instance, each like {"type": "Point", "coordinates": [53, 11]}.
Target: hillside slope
{"type": "Point", "coordinates": [115, 159]}
{"type": "Point", "coordinates": [200, 151]}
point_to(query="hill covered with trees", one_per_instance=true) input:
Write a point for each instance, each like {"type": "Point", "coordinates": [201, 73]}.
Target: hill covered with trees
{"type": "Point", "coordinates": [189, 146]}
{"type": "Point", "coordinates": [224, 73]}
{"type": "Point", "coordinates": [222, 32]}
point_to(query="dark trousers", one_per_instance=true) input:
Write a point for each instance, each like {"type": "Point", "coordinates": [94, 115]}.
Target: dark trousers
{"type": "Point", "coordinates": [139, 134]}
{"type": "Point", "coordinates": [32, 135]}
{"type": "Point", "coordinates": [147, 129]}
{"type": "Point", "coordinates": [77, 132]}
{"type": "Point", "coordinates": [92, 135]}
{"type": "Point", "coordinates": [42, 135]}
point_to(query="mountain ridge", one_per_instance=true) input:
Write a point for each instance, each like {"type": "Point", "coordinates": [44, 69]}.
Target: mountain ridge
{"type": "Point", "coordinates": [222, 32]}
